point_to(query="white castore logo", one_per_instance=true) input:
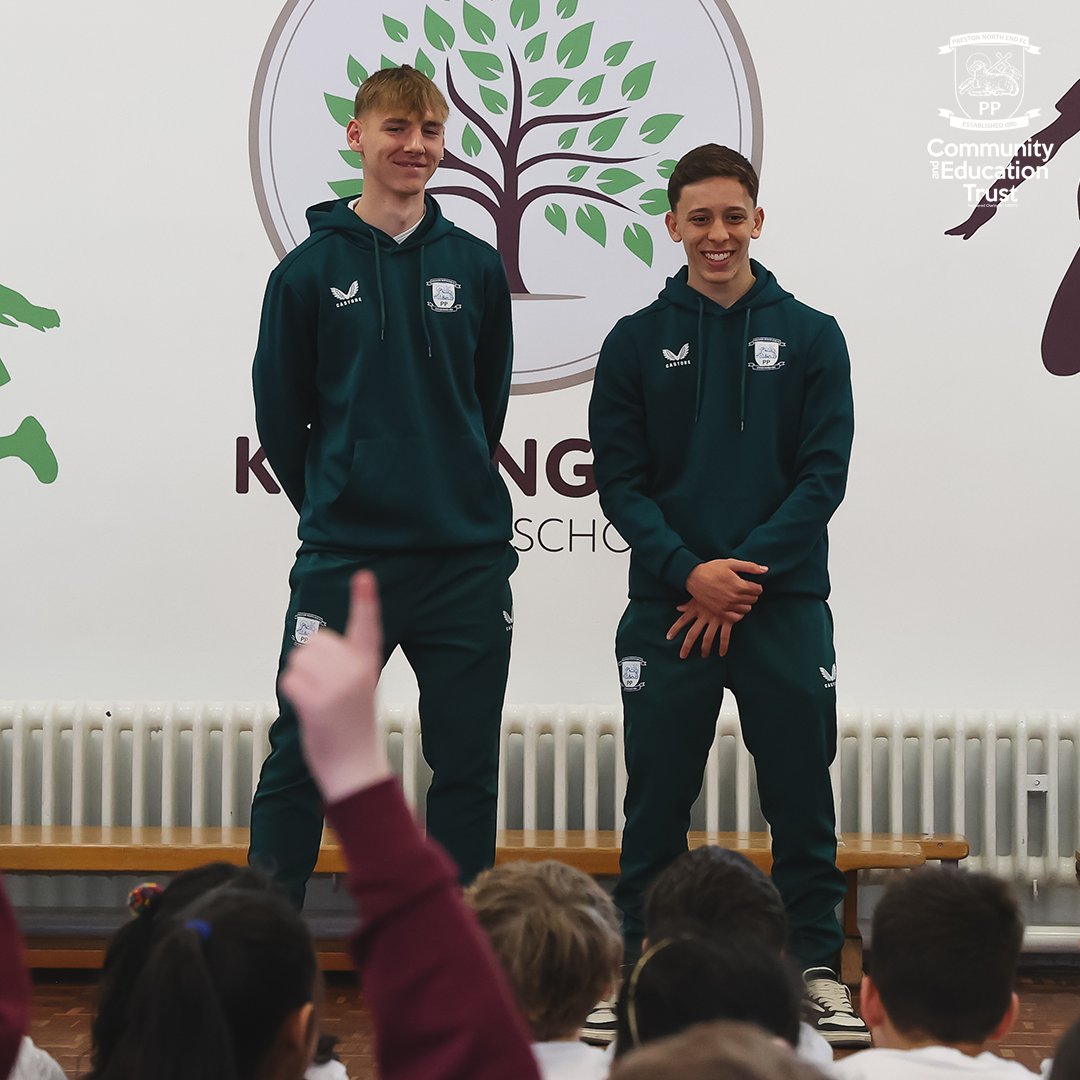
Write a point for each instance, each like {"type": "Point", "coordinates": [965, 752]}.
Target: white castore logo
{"type": "Point", "coordinates": [508, 618]}
{"type": "Point", "coordinates": [679, 359]}
{"type": "Point", "coordinates": [345, 298]}
{"type": "Point", "coordinates": [829, 676]}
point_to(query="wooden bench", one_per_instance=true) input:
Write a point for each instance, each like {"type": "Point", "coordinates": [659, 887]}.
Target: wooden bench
{"type": "Point", "coordinates": [148, 850]}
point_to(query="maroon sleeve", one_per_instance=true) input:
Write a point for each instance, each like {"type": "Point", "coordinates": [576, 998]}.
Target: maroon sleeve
{"type": "Point", "coordinates": [14, 987]}
{"type": "Point", "coordinates": [440, 1004]}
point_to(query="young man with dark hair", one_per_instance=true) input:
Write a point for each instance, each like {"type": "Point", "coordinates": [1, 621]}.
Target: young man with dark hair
{"type": "Point", "coordinates": [942, 969]}
{"type": "Point", "coordinates": [381, 381]}
{"type": "Point", "coordinates": [721, 423]}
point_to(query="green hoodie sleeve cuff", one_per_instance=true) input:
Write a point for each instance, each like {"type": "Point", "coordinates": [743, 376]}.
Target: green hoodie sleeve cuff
{"type": "Point", "coordinates": [677, 568]}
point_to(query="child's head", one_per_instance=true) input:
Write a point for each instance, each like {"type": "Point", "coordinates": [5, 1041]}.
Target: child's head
{"type": "Point", "coordinates": [687, 980]}
{"type": "Point", "coordinates": [943, 961]}
{"type": "Point", "coordinates": [401, 90]}
{"type": "Point", "coordinates": [723, 1050]}
{"type": "Point", "coordinates": [556, 934]}
{"type": "Point", "coordinates": [714, 214]}
{"type": "Point", "coordinates": [713, 892]}
{"type": "Point", "coordinates": [227, 991]}
{"type": "Point", "coordinates": [132, 944]}
{"type": "Point", "coordinates": [1067, 1055]}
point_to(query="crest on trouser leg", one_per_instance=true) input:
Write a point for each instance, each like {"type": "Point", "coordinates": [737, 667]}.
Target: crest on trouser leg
{"type": "Point", "coordinates": [307, 626]}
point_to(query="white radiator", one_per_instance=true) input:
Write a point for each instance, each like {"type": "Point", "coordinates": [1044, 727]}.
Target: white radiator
{"type": "Point", "coordinates": [1010, 783]}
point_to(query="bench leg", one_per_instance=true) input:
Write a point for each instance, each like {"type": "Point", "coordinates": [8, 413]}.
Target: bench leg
{"type": "Point", "coordinates": [851, 958]}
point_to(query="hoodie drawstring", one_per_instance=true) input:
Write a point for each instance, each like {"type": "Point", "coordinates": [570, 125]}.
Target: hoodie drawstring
{"type": "Point", "coordinates": [423, 303]}
{"type": "Point", "coordinates": [379, 286]}
{"type": "Point", "coordinates": [699, 393]}
{"type": "Point", "coordinates": [742, 371]}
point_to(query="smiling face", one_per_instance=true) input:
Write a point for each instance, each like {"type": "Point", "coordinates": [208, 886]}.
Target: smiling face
{"type": "Point", "coordinates": [715, 220]}
{"type": "Point", "coordinates": [400, 152]}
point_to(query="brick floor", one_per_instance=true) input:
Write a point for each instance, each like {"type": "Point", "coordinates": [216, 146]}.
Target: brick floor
{"type": "Point", "coordinates": [64, 1001]}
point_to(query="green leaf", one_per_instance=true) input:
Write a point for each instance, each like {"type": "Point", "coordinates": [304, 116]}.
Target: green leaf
{"type": "Point", "coordinates": [546, 91]}
{"type": "Point", "coordinates": [658, 128]}
{"type": "Point", "coordinates": [666, 168]}
{"type": "Point", "coordinates": [478, 25]}
{"type": "Point", "coordinates": [385, 62]}
{"type": "Point", "coordinates": [534, 49]}
{"type": "Point", "coordinates": [565, 8]}
{"type": "Point", "coordinates": [556, 216]}
{"type": "Point", "coordinates": [613, 181]}
{"type": "Point", "coordinates": [493, 100]}
{"type": "Point", "coordinates": [395, 31]}
{"type": "Point", "coordinates": [576, 173]}
{"type": "Point", "coordinates": [639, 240]}
{"type": "Point", "coordinates": [346, 189]}
{"type": "Point", "coordinates": [524, 13]}
{"type": "Point", "coordinates": [470, 142]}
{"type": "Point", "coordinates": [357, 72]}
{"type": "Point", "coordinates": [603, 135]}
{"type": "Point", "coordinates": [423, 63]}
{"type": "Point", "coordinates": [591, 222]}
{"type": "Point", "coordinates": [654, 201]}
{"type": "Point", "coordinates": [351, 157]}
{"type": "Point", "coordinates": [341, 108]}
{"type": "Point", "coordinates": [437, 30]}
{"type": "Point", "coordinates": [567, 138]}
{"type": "Point", "coordinates": [589, 91]}
{"type": "Point", "coordinates": [636, 84]}
{"type": "Point", "coordinates": [617, 53]}
{"type": "Point", "coordinates": [483, 65]}
{"type": "Point", "coordinates": [573, 48]}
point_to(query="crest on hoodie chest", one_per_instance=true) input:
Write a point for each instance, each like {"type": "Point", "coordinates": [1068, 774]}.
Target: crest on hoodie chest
{"type": "Point", "coordinates": [767, 354]}
{"type": "Point", "coordinates": [444, 294]}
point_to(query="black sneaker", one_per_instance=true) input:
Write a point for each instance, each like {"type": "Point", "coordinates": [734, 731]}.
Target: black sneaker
{"type": "Point", "coordinates": [599, 1027]}
{"type": "Point", "coordinates": [828, 1010]}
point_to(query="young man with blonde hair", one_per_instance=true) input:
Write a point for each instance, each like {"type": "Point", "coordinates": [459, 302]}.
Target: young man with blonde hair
{"type": "Point", "coordinates": [556, 934]}
{"type": "Point", "coordinates": [381, 381]}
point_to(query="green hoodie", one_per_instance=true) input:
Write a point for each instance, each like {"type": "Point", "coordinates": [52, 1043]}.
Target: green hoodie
{"type": "Point", "coordinates": [723, 433]}
{"type": "Point", "coordinates": [381, 381]}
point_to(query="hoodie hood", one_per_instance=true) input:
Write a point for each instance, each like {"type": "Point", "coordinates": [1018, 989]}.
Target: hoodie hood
{"type": "Point", "coordinates": [336, 216]}
{"type": "Point", "coordinates": [765, 291]}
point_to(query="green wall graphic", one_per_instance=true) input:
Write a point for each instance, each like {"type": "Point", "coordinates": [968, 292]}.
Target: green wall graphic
{"type": "Point", "coordinates": [28, 442]}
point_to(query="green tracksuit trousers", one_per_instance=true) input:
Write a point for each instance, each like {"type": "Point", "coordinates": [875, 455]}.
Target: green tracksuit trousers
{"type": "Point", "coordinates": [451, 612]}
{"type": "Point", "coordinates": [780, 667]}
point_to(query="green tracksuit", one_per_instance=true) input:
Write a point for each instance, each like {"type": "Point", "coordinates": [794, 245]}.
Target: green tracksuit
{"type": "Point", "coordinates": [381, 381]}
{"type": "Point", "coordinates": [725, 433]}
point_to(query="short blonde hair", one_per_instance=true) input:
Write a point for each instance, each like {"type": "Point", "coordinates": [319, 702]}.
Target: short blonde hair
{"type": "Point", "coordinates": [556, 934]}
{"type": "Point", "coordinates": [401, 88]}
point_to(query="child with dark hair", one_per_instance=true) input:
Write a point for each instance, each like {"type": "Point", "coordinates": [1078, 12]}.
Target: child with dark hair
{"type": "Point", "coordinates": [228, 991]}
{"type": "Point", "coordinates": [556, 934]}
{"type": "Point", "coordinates": [724, 1050]}
{"type": "Point", "coordinates": [683, 981]}
{"type": "Point", "coordinates": [721, 895]}
{"type": "Point", "coordinates": [153, 908]}
{"type": "Point", "coordinates": [940, 989]}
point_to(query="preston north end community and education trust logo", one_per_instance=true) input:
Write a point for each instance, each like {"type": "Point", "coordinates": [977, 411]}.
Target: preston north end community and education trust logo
{"type": "Point", "coordinates": [567, 117]}
{"type": "Point", "coordinates": [989, 71]}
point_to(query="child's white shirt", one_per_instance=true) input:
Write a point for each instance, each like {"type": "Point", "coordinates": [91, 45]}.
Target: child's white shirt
{"type": "Point", "coordinates": [570, 1059]}
{"type": "Point", "coordinates": [928, 1063]}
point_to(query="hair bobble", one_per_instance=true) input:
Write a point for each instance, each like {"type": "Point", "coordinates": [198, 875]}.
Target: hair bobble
{"type": "Point", "coordinates": [142, 896]}
{"type": "Point", "coordinates": [200, 926]}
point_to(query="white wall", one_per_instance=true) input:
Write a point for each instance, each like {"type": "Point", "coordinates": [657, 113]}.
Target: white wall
{"type": "Point", "coordinates": [126, 203]}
